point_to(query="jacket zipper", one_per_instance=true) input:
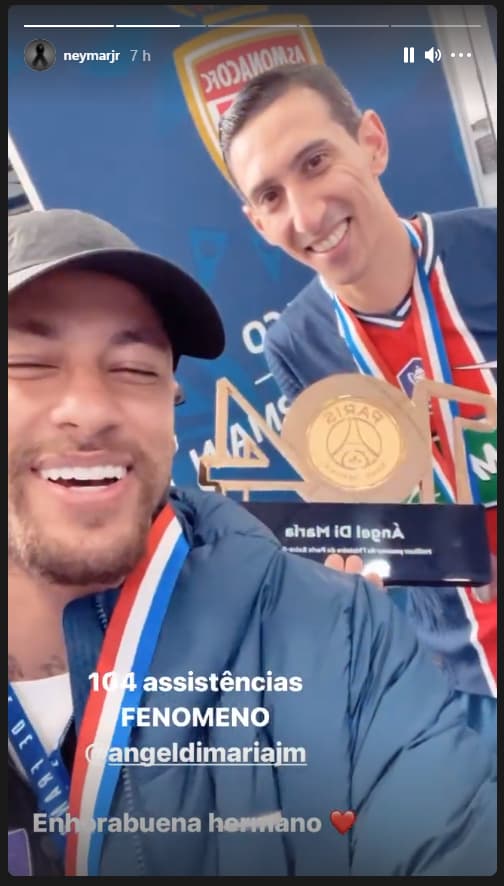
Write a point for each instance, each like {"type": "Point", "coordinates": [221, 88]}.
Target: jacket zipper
{"type": "Point", "coordinates": [125, 775]}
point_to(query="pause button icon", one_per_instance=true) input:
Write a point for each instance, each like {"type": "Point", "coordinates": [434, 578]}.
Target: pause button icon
{"type": "Point", "coordinates": [409, 55]}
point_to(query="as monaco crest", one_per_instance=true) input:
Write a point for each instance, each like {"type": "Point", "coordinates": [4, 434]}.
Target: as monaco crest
{"type": "Point", "coordinates": [214, 67]}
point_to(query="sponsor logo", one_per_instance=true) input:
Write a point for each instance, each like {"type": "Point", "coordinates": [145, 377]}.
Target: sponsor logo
{"type": "Point", "coordinates": [410, 375]}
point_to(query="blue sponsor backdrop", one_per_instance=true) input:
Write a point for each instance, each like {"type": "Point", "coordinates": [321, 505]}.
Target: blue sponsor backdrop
{"type": "Point", "coordinates": [118, 139]}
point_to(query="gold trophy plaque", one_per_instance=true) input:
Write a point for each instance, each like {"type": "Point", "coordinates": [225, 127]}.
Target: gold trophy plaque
{"type": "Point", "coordinates": [367, 479]}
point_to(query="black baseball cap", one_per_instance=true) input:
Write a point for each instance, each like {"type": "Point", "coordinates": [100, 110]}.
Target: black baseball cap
{"type": "Point", "coordinates": [43, 240]}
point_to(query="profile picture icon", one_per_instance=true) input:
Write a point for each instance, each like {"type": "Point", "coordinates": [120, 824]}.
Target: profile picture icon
{"type": "Point", "coordinates": [40, 55]}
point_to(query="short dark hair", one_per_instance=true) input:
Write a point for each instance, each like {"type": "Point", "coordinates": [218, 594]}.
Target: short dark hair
{"type": "Point", "coordinates": [260, 92]}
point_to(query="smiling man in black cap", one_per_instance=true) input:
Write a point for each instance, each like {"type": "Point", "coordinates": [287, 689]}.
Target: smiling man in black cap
{"type": "Point", "coordinates": [130, 606]}
{"type": "Point", "coordinates": [95, 455]}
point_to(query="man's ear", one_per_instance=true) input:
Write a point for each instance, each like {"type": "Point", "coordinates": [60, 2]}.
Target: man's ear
{"type": "Point", "coordinates": [255, 220]}
{"type": "Point", "coordinates": [372, 137]}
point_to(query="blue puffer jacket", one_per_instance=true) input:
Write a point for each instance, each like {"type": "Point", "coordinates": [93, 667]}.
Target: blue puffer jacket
{"type": "Point", "coordinates": [383, 736]}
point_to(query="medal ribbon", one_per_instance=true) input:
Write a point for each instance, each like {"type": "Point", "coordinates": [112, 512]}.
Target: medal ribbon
{"type": "Point", "coordinates": [127, 649]}
{"type": "Point", "coordinates": [432, 350]}
{"type": "Point", "coordinates": [369, 361]}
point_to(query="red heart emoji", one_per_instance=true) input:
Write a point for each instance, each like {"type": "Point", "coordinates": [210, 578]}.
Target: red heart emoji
{"type": "Point", "coordinates": [342, 821]}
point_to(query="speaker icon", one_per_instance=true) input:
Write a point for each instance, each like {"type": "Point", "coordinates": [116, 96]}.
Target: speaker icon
{"type": "Point", "coordinates": [433, 54]}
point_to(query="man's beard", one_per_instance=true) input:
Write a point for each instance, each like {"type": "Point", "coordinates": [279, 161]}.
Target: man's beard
{"type": "Point", "coordinates": [85, 562]}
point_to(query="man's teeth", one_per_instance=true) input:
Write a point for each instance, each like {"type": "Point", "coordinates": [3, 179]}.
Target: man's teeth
{"type": "Point", "coordinates": [332, 241]}
{"type": "Point", "coordinates": [99, 472]}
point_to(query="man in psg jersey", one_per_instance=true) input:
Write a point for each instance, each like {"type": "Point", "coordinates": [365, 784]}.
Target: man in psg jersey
{"type": "Point", "coordinates": [167, 658]}
{"type": "Point", "coordinates": [393, 298]}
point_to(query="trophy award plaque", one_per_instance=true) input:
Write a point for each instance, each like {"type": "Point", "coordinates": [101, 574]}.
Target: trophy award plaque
{"type": "Point", "coordinates": [363, 456]}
